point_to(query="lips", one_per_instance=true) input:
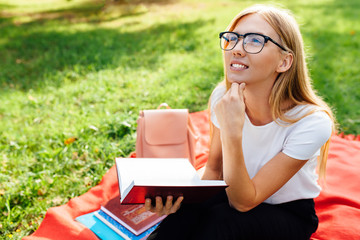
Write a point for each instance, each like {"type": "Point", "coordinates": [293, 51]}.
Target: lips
{"type": "Point", "coordinates": [237, 66]}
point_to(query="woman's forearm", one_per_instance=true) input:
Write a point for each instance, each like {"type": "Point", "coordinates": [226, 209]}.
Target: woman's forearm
{"type": "Point", "coordinates": [211, 174]}
{"type": "Point", "coordinates": [241, 191]}
{"type": "Point", "coordinates": [214, 166]}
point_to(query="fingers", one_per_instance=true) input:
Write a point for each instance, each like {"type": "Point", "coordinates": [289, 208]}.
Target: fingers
{"type": "Point", "coordinates": [241, 91]}
{"type": "Point", "coordinates": [148, 206]}
{"type": "Point", "coordinates": [162, 209]}
{"type": "Point", "coordinates": [168, 204]}
{"type": "Point", "coordinates": [234, 89]}
{"type": "Point", "coordinates": [159, 205]}
{"type": "Point", "coordinates": [237, 89]}
{"type": "Point", "coordinates": [242, 86]}
{"type": "Point", "coordinates": [177, 204]}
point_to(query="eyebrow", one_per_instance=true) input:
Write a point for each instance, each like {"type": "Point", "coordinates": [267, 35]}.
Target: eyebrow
{"type": "Point", "coordinates": [277, 38]}
{"type": "Point", "coordinates": [252, 32]}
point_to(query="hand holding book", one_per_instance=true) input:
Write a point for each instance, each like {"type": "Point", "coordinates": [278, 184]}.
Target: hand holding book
{"type": "Point", "coordinates": [143, 178]}
{"type": "Point", "coordinates": [162, 209]}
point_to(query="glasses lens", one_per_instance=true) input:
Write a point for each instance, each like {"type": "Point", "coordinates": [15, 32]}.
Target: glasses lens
{"type": "Point", "coordinates": [254, 43]}
{"type": "Point", "coordinates": [228, 41]}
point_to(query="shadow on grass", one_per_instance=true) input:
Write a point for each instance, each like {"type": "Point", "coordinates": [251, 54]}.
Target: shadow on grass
{"type": "Point", "coordinates": [88, 11]}
{"type": "Point", "coordinates": [74, 11]}
{"type": "Point", "coordinates": [46, 58]}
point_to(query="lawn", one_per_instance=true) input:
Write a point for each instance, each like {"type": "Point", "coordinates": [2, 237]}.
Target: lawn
{"type": "Point", "coordinates": [75, 73]}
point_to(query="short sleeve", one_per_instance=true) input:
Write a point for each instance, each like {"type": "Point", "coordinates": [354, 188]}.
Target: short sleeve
{"type": "Point", "coordinates": [216, 95]}
{"type": "Point", "coordinates": [308, 136]}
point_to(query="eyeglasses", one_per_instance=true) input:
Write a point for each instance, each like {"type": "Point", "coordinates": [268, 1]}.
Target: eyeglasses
{"type": "Point", "coordinates": [252, 42]}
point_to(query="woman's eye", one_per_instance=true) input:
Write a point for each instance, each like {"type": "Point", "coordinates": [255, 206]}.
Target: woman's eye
{"type": "Point", "coordinates": [233, 38]}
{"type": "Point", "coordinates": [255, 40]}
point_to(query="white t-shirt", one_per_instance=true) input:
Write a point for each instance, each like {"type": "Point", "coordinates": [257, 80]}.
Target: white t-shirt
{"type": "Point", "coordinates": [301, 140]}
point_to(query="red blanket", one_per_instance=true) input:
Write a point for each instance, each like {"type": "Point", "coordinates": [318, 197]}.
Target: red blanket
{"type": "Point", "coordinates": [338, 205]}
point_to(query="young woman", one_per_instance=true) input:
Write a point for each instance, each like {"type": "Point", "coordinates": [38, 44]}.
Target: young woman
{"type": "Point", "coordinates": [269, 132]}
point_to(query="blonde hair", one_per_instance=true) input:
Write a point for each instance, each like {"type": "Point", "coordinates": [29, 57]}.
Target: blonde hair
{"type": "Point", "coordinates": [294, 85]}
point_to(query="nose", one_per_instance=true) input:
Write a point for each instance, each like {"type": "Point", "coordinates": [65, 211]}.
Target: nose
{"type": "Point", "coordinates": [238, 50]}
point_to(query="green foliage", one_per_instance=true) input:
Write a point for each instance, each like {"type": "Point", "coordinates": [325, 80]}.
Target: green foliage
{"type": "Point", "coordinates": [74, 75]}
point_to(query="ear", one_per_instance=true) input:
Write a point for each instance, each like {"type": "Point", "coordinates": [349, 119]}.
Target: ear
{"type": "Point", "coordinates": [285, 62]}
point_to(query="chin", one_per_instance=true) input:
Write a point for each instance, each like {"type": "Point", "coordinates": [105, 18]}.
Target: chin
{"type": "Point", "coordinates": [236, 81]}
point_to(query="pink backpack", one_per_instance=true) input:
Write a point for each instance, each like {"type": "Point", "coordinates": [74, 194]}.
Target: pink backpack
{"type": "Point", "coordinates": [165, 133]}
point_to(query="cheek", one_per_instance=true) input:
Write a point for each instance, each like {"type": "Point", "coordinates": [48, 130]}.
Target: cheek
{"type": "Point", "coordinates": [227, 60]}
{"type": "Point", "coordinates": [269, 60]}
{"type": "Point", "coordinates": [227, 57]}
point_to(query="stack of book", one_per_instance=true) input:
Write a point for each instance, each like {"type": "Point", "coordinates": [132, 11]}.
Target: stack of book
{"type": "Point", "coordinates": [116, 221]}
{"type": "Point", "coordinates": [125, 217]}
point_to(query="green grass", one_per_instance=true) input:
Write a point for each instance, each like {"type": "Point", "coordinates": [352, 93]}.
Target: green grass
{"type": "Point", "coordinates": [84, 69]}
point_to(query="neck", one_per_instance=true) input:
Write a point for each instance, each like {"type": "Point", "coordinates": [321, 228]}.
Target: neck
{"type": "Point", "coordinates": [257, 105]}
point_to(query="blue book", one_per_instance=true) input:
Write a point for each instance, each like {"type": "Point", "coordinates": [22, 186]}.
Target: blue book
{"type": "Point", "coordinates": [120, 229]}
{"type": "Point", "coordinates": [98, 227]}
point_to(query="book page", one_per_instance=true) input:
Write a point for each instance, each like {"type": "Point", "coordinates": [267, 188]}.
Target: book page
{"type": "Point", "coordinates": [178, 182]}
{"type": "Point", "coordinates": [155, 170]}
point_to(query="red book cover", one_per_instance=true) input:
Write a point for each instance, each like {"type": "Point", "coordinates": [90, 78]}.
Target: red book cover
{"type": "Point", "coordinates": [191, 194]}
{"type": "Point", "coordinates": [141, 178]}
{"type": "Point", "coordinates": [134, 217]}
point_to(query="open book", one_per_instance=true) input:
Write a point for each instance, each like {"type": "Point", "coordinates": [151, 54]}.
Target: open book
{"type": "Point", "coordinates": [141, 178]}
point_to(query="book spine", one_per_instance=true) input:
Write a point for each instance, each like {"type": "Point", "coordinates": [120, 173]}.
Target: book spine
{"type": "Point", "coordinates": [98, 227]}
{"type": "Point", "coordinates": [115, 229]}
{"type": "Point", "coordinates": [120, 229]}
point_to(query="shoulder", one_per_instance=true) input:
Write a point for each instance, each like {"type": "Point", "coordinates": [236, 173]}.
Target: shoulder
{"type": "Point", "coordinates": [310, 115]}
{"type": "Point", "coordinates": [309, 133]}
{"type": "Point", "coordinates": [319, 124]}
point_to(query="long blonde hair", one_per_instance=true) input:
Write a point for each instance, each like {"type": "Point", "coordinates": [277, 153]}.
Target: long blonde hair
{"type": "Point", "coordinates": [294, 85]}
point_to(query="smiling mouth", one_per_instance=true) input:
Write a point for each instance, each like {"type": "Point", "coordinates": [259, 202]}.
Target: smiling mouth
{"type": "Point", "coordinates": [238, 66]}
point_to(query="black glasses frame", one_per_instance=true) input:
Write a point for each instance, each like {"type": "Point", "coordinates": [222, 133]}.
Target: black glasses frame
{"type": "Point", "coordinates": [267, 38]}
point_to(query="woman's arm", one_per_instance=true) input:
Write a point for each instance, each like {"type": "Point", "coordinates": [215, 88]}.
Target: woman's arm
{"type": "Point", "coordinates": [214, 165]}
{"type": "Point", "coordinates": [245, 193]}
